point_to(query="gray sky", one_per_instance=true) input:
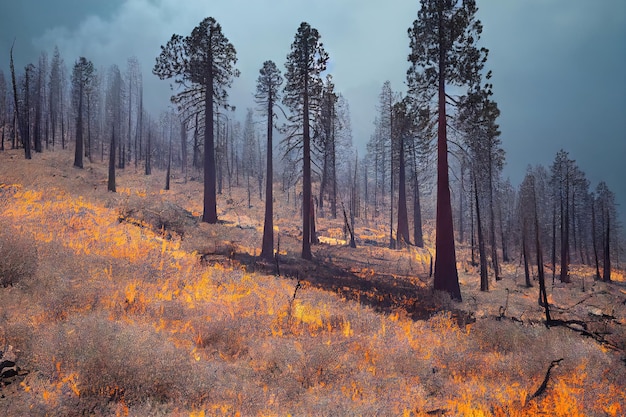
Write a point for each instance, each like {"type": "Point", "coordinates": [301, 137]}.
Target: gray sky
{"type": "Point", "coordinates": [559, 65]}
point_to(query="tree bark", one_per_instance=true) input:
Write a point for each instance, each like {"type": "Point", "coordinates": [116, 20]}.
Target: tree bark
{"type": "Point", "coordinates": [111, 183]}
{"type": "Point", "coordinates": [306, 175]}
{"type": "Point", "coordinates": [210, 197]}
{"type": "Point", "coordinates": [607, 250]}
{"type": "Point", "coordinates": [418, 235]}
{"type": "Point", "coordinates": [446, 275]}
{"type": "Point", "coordinates": [267, 248]}
{"type": "Point", "coordinates": [594, 237]}
{"type": "Point", "coordinates": [525, 254]}
{"type": "Point", "coordinates": [484, 276]}
{"type": "Point", "coordinates": [78, 154]}
{"type": "Point", "coordinates": [403, 218]}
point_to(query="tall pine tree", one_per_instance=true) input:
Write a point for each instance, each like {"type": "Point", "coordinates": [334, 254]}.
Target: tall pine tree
{"type": "Point", "coordinates": [305, 63]}
{"type": "Point", "coordinates": [202, 65]}
{"type": "Point", "coordinates": [443, 42]}
{"type": "Point", "coordinates": [267, 94]}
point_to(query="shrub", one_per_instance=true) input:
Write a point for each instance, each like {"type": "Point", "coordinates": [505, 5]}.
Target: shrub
{"type": "Point", "coordinates": [18, 256]}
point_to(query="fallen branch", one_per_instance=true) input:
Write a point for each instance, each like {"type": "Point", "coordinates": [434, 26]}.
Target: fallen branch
{"type": "Point", "coordinates": [544, 385]}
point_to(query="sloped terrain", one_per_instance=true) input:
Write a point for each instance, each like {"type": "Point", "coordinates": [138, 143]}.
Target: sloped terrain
{"type": "Point", "coordinates": [125, 304]}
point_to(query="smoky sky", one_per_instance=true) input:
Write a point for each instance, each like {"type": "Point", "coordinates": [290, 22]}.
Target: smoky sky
{"type": "Point", "coordinates": [558, 65]}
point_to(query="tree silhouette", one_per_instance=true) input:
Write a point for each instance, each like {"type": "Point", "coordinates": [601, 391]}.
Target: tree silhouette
{"type": "Point", "coordinates": [82, 77]}
{"type": "Point", "coordinates": [267, 94]}
{"type": "Point", "coordinates": [305, 63]}
{"type": "Point", "coordinates": [202, 65]}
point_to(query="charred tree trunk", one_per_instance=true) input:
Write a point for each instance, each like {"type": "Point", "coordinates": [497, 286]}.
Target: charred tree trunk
{"type": "Point", "coordinates": [543, 297]}
{"type": "Point", "coordinates": [149, 153]}
{"type": "Point", "coordinates": [418, 235]}
{"type": "Point", "coordinates": [553, 242]}
{"type": "Point", "coordinates": [484, 276]}
{"type": "Point", "coordinates": [525, 254]}
{"type": "Point", "coordinates": [307, 198]}
{"type": "Point", "coordinates": [607, 250]}
{"type": "Point", "coordinates": [492, 226]}
{"type": "Point", "coordinates": [565, 235]}
{"type": "Point", "coordinates": [209, 214]}
{"type": "Point", "coordinates": [169, 164]}
{"type": "Point", "coordinates": [446, 275]}
{"type": "Point", "coordinates": [78, 154]}
{"type": "Point", "coordinates": [594, 237]}
{"type": "Point", "coordinates": [403, 218]}
{"type": "Point", "coordinates": [183, 150]}
{"type": "Point", "coordinates": [111, 182]}
{"type": "Point", "coordinates": [267, 248]}
{"type": "Point", "coordinates": [18, 120]}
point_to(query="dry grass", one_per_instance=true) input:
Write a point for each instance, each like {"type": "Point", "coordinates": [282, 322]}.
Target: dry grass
{"type": "Point", "coordinates": [18, 256]}
{"type": "Point", "coordinates": [118, 319]}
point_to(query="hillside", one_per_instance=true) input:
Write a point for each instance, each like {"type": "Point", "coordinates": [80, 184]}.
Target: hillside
{"type": "Point", "coordinates": [125, 304]}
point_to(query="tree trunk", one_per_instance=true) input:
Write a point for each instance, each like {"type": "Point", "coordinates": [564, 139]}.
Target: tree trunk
{"type": "Point", "coordinates": [169, 164]}
{"type": "Point", "coordinates": [553, 241]}
{"type": "Point", "coordinates": [503, 236]}
{"type": "Point", "coordinates": [149, 152]}
{"type": "Point", "coordinates": [403, 218]}
{"type": "Point", "coordinates": [267, 248]}
{"type": "Point", "coordinates": [306, 176]}
{"type": "Point", "coordinates": [543, 297]}
{"type": "Point", "coordinates": [607, 250]}
{"type": "Point", "coordinates": [183, 150]}
{"type": "Point", "coordinates": [446, 275]}
{"type": "Point", "coordinates": [492, 226]}
{"type": "Point", "coordinates": [418, 235]}
{"type": "Point", "coordinates": [461, 195]}
{"type": "Point", "coordinates": [333, 156]}
{"type": "Point", "coordinates": [594, 237]}
{"type": "Point", "coordinates": [565, 235]}
{"type": "Point", "coordinates": [210, 197]}
{"type": "Point", "coordinates": [525, 255]}
{"type": "Point", "coordinates": [111, 184]}
{"type": "Point", "coordinates": [78, 154]}
{"type": "Point", "coordinates": [484, 276]}
{"type": "Point", "coordinates": [23, 133]}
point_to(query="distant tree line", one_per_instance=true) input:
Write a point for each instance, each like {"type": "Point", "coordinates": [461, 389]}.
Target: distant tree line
{"type": "Point", "coordinates": [435, 152]}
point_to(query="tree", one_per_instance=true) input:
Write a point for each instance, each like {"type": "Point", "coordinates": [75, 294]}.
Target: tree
{"type": "Point", "coordinates": [82, 77]}
{"type": "Point", "coordinates": [113, 107]}
{"type": "Point", "coordinates": [326, 138]}
{"type": "Point", "coordinates": [443, 42]}
{"type": "Point", "coordinates": [203, 65]}
{"type": "Point", "coordinates": [267, 95]}
{"type": "Point", "coordinates": [477, 120]}
{"type": "Point", "coordinates": [27, 99]}
{"type": "Point", "coordinates": [249, 151]}
{"type": "Point", "coordinates": [305, 63]}
{"type": "Point", "coordinates": [16, 108]}
{"type": "Point", "coordinates": [39, 95]}
{"type": "Point", "coordinates": [606, 224]}
{"type": "Point", "coordinates": [402, 130]}
{"type": "Point", "coordinates": [564, 174]}
{"type": "Point", "coordinates": [55, 92]}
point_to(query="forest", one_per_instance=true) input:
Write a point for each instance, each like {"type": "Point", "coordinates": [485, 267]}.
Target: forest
{"type": "Point", "coordinates": [189, 263]}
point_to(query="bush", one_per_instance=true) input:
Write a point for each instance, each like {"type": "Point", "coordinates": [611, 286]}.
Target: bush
{"type": "Point", "coordinates": [18, 256]}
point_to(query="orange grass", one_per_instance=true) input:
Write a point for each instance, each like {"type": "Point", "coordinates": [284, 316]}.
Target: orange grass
{"type": "Point", "coordinates": [248, 348]}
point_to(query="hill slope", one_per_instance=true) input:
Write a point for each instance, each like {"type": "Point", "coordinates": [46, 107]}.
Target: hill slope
{"type": "Point", "coordinates": [125, 305]}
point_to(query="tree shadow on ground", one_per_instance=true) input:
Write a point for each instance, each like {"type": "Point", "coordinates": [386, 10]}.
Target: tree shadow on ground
{"type": "Point", "coordinates": [386, 293]}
